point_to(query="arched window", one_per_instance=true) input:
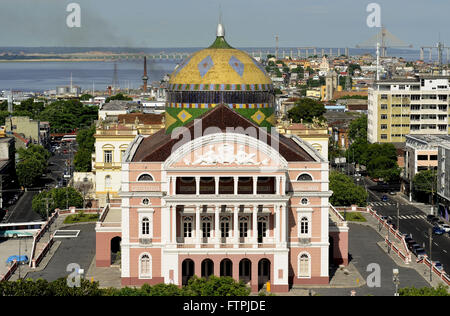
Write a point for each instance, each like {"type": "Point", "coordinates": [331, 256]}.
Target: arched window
{"type": "Point", "coordinates": [145, 262]}
{"type": "Point", "coordinates": [304, 177]}
{"type": "Point", "coordinates": [304, 226]}
{"type": "Point", "coordinates": [145, 226]}
{"type": "Point", "coordinates": [145, 177]}
{"type": "Point", "coordinates": [304, 269]}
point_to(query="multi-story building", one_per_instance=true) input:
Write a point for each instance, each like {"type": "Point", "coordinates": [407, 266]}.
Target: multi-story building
{"type": "Point", "coordinates": [33, 131]}
{"type": "Point", "coordinates": [421, 153]}
{"type": "Point", "coordinates": [400, 107]}
{"type": "Point", "coordinates": [218, 191]}
{"type": "Point", "coordinates": [443, 181]}
{"type": "Point", "coordinates": [112, 138]}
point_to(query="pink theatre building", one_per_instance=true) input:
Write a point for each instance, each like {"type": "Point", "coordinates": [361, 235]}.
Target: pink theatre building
{"type": "Point", "coordinates": [218, 193]}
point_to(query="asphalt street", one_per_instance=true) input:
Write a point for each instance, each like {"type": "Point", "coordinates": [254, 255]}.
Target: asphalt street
{"type": "Point", "coordinates": [22, 211]}
{"type": "Point", "coordinates": [79, 250]}
{"type": "Point", "coordinates": [363, 251]}
{"type": "Point", "coordinates": [411, 220]}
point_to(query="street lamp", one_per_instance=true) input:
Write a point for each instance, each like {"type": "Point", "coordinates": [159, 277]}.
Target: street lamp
{"type": "Point", "coordinates": [396, 281]}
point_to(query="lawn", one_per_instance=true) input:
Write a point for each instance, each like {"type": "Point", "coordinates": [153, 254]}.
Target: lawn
{"type": "Point", "coordinates": [353, 217]}
{"type": "Point", "coordinates": [80, 217]}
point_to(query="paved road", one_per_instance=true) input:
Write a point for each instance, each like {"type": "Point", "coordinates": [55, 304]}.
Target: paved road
{"type": "Point", "coordinates": [80, 250]}
{"type": "Point", "coordinates": [412, 221]}
{"type": "Point", "coordinates": [21, 211]}
{"type": "Point", "coordinates": [364, 250]}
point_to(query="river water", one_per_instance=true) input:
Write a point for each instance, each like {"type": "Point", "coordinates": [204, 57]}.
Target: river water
{"type": "Point", "coordinates": [41, 76]}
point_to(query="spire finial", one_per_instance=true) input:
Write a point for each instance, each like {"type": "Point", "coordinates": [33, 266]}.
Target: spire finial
{"type": "Point", "coordinates": [220, 28]}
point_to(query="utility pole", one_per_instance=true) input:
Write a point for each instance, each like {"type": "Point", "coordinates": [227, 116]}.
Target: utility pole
{"type": "Point", "coordinates": [398, 216]}
{"type": "Point", "coordinates": [430, 232]}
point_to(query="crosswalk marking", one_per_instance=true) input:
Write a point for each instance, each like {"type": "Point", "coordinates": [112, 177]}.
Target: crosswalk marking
{"type": "Point", "coordinates": [385, 204]}
{"type": "Point", "coordinates": [408, 217]}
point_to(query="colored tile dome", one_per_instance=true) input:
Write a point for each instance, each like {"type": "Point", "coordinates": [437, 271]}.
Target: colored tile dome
{"type": "Point", "coordinates": [219, 74]}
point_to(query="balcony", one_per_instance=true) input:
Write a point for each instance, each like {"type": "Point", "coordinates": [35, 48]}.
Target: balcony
{"type": "Point", "coordinates": [225, 246]}
{"type": "Point", "coordinates": [145, 186]}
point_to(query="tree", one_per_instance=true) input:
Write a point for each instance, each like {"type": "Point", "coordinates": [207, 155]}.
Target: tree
{"type": "Point", "coordinates": [381, 161]}
{"type": "Point", "coordinates": [86, 97]}
{"type": "Point", "coordinates": [68, 115]}
{"type": "Point", "coordinates": [215, 286]}
{"type": "Point", "coordinates": [59, 198]}
{"type": "Point", "coordinates": [440, 290]}
{"type": "Point", "coordinates": [32, 163]}
{"type": "Point", "coordinates": [120, 97]}
{"type": "Point", "coordinates": [425, 184]}
{"type": "Point", "coordinates": [86, 142]}
{"type": "Point", "coordinates": [305, 110]}
{"type": "Point", "coordinates": [345, 191]}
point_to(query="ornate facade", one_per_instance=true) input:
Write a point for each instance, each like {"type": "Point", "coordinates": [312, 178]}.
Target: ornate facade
{"type": "Point", "coordinates": [222, 196]}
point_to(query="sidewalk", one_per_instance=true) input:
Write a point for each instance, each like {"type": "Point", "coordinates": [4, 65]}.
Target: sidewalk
{"type": "Point", "coordinates": [107, 277]}
{"type": "Point", "coordinates": [421, 269]}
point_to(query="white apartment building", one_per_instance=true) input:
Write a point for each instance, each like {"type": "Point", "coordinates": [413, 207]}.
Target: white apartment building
{"type": "Point", "coordinates": [398, 107]}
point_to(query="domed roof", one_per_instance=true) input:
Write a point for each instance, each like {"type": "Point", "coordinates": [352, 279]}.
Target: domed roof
{"type": "Point", "coordinates": [219, 64]}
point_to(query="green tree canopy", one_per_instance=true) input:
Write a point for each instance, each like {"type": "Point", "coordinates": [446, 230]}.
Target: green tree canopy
{"type": "Point", "coordinates": [306, 110]}
{"type": "Point", "coordinates": [120, 97]}
{"type": "Point", "coordinates": [440, 290]}
{"type": "Point", "coordinates": [86, 97]}
{"type": "Point", "coordinates": [66, 116]}
{"type": "Point", "coordinates": [425, 181]}
{"type": "Point", "coordinates": [60, 198]}
{"type": "Point", "coordinates": [85, 141]}
{"type": "Point", "coordinates": [32, 164]}
{"type": "Point", "coordinates": [345, 191]}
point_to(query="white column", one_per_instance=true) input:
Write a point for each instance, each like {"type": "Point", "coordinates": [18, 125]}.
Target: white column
{"type": "Point", "coordinates": [283, 185]}
{"type": "Point", "coordinates": [174, 223]}
{"type": "Point", "coordinates": [236, 179]}
{"type": "Point", "coordinates": [277, 224]}
{"type": "Point", "coordinates": [255, 185]}
{"type": "Point", "coordinates": [197, 224]}
{"type": "Point", "coordinates": [235, 224]}
{"type": "Point", "coordinates": [174, 185]}
{"type": "Point", "coordinates": [283, 225]}
{"type": "Point", "coordinates": [216, 224]}
{"type": "Point", "coordinates": [277, 185]}
{"type": "Point", "coordinates": [197, 185]}
{"type": "Point", "coordinates": [255, 223]}
{"type": "Point", "coordinates": [216, 179]}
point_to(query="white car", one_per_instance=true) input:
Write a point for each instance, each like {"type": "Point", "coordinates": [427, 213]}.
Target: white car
{"type": "Point", "coordinates": [445, 227]}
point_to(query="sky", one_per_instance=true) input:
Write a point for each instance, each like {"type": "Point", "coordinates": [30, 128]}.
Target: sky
{"type": "Point", "coordinates": [192, 23]}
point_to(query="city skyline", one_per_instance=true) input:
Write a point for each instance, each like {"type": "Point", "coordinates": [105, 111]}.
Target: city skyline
{"type": "Point", "coordinates": [177, 23]}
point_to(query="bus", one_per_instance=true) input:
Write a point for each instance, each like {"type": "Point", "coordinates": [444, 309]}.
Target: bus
{"type": "Point", "coordinates": [15, 230]}
{"type": "Point", "coordinates": [69, 138]}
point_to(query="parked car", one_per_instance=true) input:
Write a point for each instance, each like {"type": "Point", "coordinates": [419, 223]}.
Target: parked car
{"type": "Point", "coordinates": [19, 259]}
{"type": "Point", "coordinates": [384, 198]}
{"type": "Point", "coordinates": [446, 228]}
{"type": "Point", "coordinates": [420, 253]}
{"type": "Point", "coordinates": [438, 265]}
{"type": "Point", "coordinates": [413, 244]}
{"type": "Point", "coordinates": [392, 193]}
{"type": "Point", "coordinates": [432, 218]}
{"type": "Point", "coordinates": [384, 218]}
{"type": "Point", "coordinates": [438, 231]}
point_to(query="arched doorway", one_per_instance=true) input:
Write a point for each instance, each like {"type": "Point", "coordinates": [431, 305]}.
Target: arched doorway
{"type": "Point", "coordinates": [187, 271]}
{"type": "Point", "coordinates": [226, 268]}
{"type": "Point", "coordinates": [207, 268]}
{"type": "Point", "coordinates": [245, 270]}
{"type": "Point", "coordinates": [115, 250]}
{"type": "Point", "coordinates": [263, 272]}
